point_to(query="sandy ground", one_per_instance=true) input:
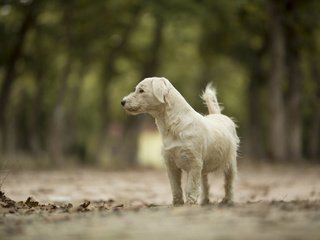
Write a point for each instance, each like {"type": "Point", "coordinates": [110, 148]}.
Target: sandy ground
{"type": "Point", "coordinates": [271, 202]}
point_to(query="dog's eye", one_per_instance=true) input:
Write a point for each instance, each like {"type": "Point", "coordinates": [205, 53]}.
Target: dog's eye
{"type": "Point", "coordinates": [141, 91]}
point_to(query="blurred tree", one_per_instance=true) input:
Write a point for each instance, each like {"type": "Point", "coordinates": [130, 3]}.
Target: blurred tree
{"type": "Point", "coordinates": [242, 36]}
{"type": "Point", "coordinates": [277, 130]}
{"type": "Point", "coordinates": [149, 68]}
{"type": "Point", "coordinates": [118, 48]}
{"type": "Point", "coordinates": [314, 130]}
{"type": "Point", "coordinates": [309, 41]}
{"type": "Point", "coordinates": [293, 29]}
{"type": "Point", "coordinates": [64, 66]}
{"type": "Point", "coordinates": [30, 11]}
{"type": "Point", "coordinates": [57, 129]}
{"type": "Point", "coordinates": [251, 51]}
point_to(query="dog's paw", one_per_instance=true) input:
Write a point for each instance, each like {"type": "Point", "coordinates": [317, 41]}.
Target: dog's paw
{"type": "Point", "coordinates": [177, 202]}
{"type": "Point", "coordinates": [191, 201]}
{"type": "Point", "coordinates": [226, 202]}
{"type": "Point", "coordinates": [204, 202]}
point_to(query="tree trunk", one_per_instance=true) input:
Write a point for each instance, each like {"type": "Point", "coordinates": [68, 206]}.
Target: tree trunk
{"type": "Point", "coordinates": [10, 70]}
{"type": "Point", "coordinates": [151, 66]}
{"type": "Point", "coordinates": [35, 121]}
{"type": "Point", "coordinates": [72, 140]}
{"type": "Point", "coordinates": [294, 94]}
{"type": "Point", "coordinates": [109, 74]}
{"type": "Point", "coordinates": [37, 116]}
{"type": "Point", "coordinates": [255, 142]}
{"type": "Point", "coordinates": [56, 130]}
{"type": "Point", "coordinates": [293, 114]}
{"type": "Point", "coordinates": [277, 130]}
{"type": "Point", "coordinates": [314, 130]}
{"type": "Point", "coordinates": [56, 141]}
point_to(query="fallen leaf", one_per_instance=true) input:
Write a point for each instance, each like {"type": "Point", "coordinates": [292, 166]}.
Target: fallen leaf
{"type": "Point", "coordinates": [85, 204]}
{"type": "Point", "coordinates": [30, 202]}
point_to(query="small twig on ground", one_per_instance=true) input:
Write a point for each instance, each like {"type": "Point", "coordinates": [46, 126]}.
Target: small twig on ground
{"type": "Point", "coordinates": [3, 166]}
{"type": "Point", "coordinates": [4, 177]}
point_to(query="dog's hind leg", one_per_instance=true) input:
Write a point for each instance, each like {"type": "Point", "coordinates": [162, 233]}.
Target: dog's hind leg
{"type": "Point", "coordinates": [229, 177]}
{"type": "Point", "coordinates": [204, 199]}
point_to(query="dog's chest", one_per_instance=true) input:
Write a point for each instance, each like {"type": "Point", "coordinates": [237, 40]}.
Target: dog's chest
{"type": "Point", "coordinates": [170, 142]}
{"type": "Point", "coordinates": [182, 157]}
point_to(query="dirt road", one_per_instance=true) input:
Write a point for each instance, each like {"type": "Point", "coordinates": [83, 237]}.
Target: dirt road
{"type": "Point", "coordinates": [272, 202]}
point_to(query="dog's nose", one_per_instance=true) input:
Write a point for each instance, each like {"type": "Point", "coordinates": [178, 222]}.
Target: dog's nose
{"type": "Point", "coordinates": [123, 102]}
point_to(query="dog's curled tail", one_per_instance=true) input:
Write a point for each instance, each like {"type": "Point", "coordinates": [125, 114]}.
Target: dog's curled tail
{"type": "Point", "coordinates": [209, 97]}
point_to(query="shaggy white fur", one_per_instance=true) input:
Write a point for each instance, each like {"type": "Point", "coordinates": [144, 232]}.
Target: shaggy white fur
{"type": "Point", "coordinates": [192, 143]}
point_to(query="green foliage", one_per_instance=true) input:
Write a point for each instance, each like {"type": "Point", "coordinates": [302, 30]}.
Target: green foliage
{"type": "Point", "coordinates": [80, 55]}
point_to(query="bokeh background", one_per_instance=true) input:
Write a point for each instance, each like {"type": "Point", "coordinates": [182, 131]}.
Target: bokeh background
{"type": "Point", "coordinates": [65, 66]}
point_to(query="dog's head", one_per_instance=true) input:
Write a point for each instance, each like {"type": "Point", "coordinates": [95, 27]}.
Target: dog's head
{"type": "Point", "coordinates": [148, 97]}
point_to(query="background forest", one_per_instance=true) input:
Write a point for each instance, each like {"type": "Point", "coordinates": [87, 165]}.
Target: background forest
{"type": "Point", "coordinates": [65, 66]}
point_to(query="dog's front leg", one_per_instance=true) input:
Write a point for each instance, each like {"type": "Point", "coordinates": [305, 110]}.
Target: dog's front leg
{"type": "Point", "coordinates": [174, 174]}
{"type": "Point", "coordinates": [193, 184]}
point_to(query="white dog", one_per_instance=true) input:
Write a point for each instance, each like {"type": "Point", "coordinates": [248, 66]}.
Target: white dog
{"type": "Point", "coordinates": [193, 143]}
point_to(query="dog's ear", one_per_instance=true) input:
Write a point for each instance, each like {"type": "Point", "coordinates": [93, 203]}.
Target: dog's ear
{"type": "Point", "coordinates": [160, 88]}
